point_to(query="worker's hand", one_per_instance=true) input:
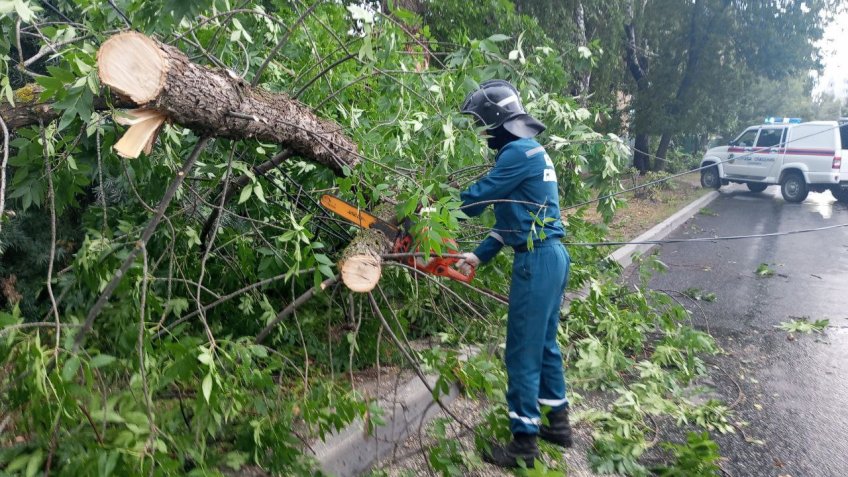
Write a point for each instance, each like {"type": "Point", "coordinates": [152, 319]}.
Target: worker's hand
{"type": "Point", "coordinates": [467, 263]}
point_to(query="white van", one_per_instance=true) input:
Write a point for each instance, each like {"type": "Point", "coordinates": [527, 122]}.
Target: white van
{"type": "Point", "coordinates": [801, 157]}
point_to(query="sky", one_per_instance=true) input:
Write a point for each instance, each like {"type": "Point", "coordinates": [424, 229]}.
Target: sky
{"type": "Point", "coordinates": [834, 45]}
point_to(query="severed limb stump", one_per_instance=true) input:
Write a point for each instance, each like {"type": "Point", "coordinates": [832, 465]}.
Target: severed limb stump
{"type": "Point", "coordinates": [29, 110]}
{"type": "Point", "coordinates": [159, 77]}
{"type": "Point", "coordinates": [361, 266]}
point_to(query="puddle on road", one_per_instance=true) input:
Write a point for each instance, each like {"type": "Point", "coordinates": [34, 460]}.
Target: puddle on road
{"type": "Point", "coordinates": [821, 204]}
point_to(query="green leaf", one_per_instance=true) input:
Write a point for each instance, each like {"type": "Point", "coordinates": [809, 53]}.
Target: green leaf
{"type": "Point", "coordinates": [206, 387]}
{"type": "Point", "coordinates": [25, 11]}
{"type": "Point", "coordinates": [205, 358]}
{"type": "Point", "coordinates": [803, 325]}
{"type": "Point", "coordinates": [359, 13]}
{"type": "Point", "coordinates": [20, 461]}
{"type": "Point", "coordinates": [101, 360]}
{"type": "Point", "coordinates": [34, 464]}
{"type": "Point", "coordinates": [106, 463]}
{"type": "Point", "coordinates": [243, 31]}
{"type": "Point", "coordinates": [236, 459]}
{"type": "Point", "coordinates": [7, 90]}
{"type": "Point", "coordinates": [69, 370]}
{"type": "Point", "coordinates": [326, 271]}
{"type": "Point", "coordinates": [245, 193]}
{"type": "Point", "coordinates": [78, 102]}
{"type": "Point", "coordinates": [184, 9]}
{"type": "Point", "coordinates": [498, 37]}
{"type": "Point", "coordinates": [323, 259]}
{"type": "Point", "coordinates": [63, 75]}
{"type": "Point", "coordinates": [107, 415]}
{"type": "Point", "coordinates": [51, 86]}
{"type": "Point", "coordinates": [764, 270]}
{"type": "Point", "coordinates": [260, 194]}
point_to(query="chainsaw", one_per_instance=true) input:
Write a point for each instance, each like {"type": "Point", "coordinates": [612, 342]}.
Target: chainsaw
{"type": "Point", "coordinates": [402, 241]}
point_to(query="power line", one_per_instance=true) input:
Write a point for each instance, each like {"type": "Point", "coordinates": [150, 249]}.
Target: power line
{"type": "Point", "coordinates": [654, 182]}
{"type": "Point", "coordinates": [706, 239]}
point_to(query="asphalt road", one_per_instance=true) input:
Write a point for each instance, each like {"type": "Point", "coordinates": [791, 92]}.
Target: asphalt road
{"type": "Point", "coordinates": [789, 392]}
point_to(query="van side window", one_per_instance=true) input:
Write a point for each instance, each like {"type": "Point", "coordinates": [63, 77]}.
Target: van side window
{"type": "Point", "coordinates": [746, 139]}
{"type": "Point", "coordinates": [769, 137]}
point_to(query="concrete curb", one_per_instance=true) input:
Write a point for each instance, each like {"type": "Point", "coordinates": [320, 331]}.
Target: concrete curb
{"type": "Point", "coordinates": [353, 450]}
{"type": "Point", "coordinates": [624, 255]}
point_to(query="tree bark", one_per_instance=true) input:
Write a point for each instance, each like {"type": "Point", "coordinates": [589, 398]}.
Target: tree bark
{"type": "Point", "coordinates": [216, 102]}
{"type": "Point", "coordinates": [361, 265]}
{"type": "Point", "coordinates": [585, 78]}
{"type": "Point", "coordinates": [681, 99]}
{"type": "Point", "coordinates": [694, 57]}
{"type": "Point", "coordinates": [638, 66]}
{"type": "Point", "coordinates": [662, 150]}
{"type": "Point", "coordinates": [641, 159]}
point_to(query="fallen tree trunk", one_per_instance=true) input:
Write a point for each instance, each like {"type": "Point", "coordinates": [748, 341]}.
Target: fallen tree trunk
{"type": "Point", "coordinates": [214, 102]}
{"type": "Point", "coordinates": [361, 263]}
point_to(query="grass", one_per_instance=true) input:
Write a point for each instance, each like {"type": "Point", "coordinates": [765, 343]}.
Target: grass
{"type": "Point", "coordinates": [639, 214]}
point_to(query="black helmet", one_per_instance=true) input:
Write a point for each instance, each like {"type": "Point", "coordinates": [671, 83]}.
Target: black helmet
{"type": "Point", "coordinates": [497, 103]}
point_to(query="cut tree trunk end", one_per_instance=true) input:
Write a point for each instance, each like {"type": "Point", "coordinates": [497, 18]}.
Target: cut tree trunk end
{"type": "Point", "coordinates": [159, 77]}
{"type": "Point", "coordinates": [361, 265]}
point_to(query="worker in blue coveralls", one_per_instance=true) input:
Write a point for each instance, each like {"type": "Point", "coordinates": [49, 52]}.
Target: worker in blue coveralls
{"type": "Point", "coordinates": [522, 187]}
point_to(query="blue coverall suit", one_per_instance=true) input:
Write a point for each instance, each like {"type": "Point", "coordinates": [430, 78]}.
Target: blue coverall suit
{"type": "Point", "coordinates": [522, 186]}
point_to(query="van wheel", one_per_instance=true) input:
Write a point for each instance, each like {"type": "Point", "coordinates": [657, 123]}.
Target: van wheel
{"type": "Point", "coordinates": [840, 194]}
{"type": "Point", "coordinates": [794, 188]}
{"type": "Point", "coordinates": [756, 186]}
{"type": "Point", "coordinates": [710, 178]}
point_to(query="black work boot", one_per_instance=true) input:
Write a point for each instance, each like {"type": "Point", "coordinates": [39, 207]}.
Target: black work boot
{"type": "Point", "coordinates": [557, 431]}
{"type": "Point", "coordinates": [522, 447]}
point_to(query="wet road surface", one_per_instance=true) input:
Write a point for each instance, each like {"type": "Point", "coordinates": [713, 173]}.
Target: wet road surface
{"type": "Point", "coordinates": [790, 392]}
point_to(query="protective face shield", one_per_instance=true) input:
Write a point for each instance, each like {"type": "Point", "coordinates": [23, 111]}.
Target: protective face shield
{"type": "Point", "coordinates": [497, 103]}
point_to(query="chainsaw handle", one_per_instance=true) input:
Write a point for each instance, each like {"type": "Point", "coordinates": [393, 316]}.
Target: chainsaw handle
{"type": "Point", "coordinates": [438, 266]}
{"type": "Point", "coordinates": [455, 274]}
{"type": "Point", "coordinates": [443, 267]}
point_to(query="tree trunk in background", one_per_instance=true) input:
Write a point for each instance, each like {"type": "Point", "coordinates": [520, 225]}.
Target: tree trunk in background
{"type": "Point", "coordinates": [693, 58]}
{"type": "Point", "coordinates": [585, 79]}
{"type": "Point", "coordinates": [697, 44]}
{"type": "Point", "coordinates": [662, 149]}
{"type": "Point", "coordinates": [637, 64]}
{"type": "Point", "coordinates": [217, 102]}
{"type": "Point", "coordinates": [641, 160]}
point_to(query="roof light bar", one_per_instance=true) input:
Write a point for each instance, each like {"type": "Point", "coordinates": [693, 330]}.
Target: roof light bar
{"type": "Point", "coordinates": [774, 120]}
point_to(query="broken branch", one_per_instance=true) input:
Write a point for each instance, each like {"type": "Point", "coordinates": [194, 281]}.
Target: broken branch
{"type": "Point", "coordinates": [293, 306]}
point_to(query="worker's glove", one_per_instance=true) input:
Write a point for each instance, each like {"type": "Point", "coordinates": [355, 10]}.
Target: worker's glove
{"type": "Point", "coordinates": [467, 263]}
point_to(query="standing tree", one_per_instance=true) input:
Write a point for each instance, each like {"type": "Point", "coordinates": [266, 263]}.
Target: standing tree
{"type": "Point", "coordinates": [693, 63]}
